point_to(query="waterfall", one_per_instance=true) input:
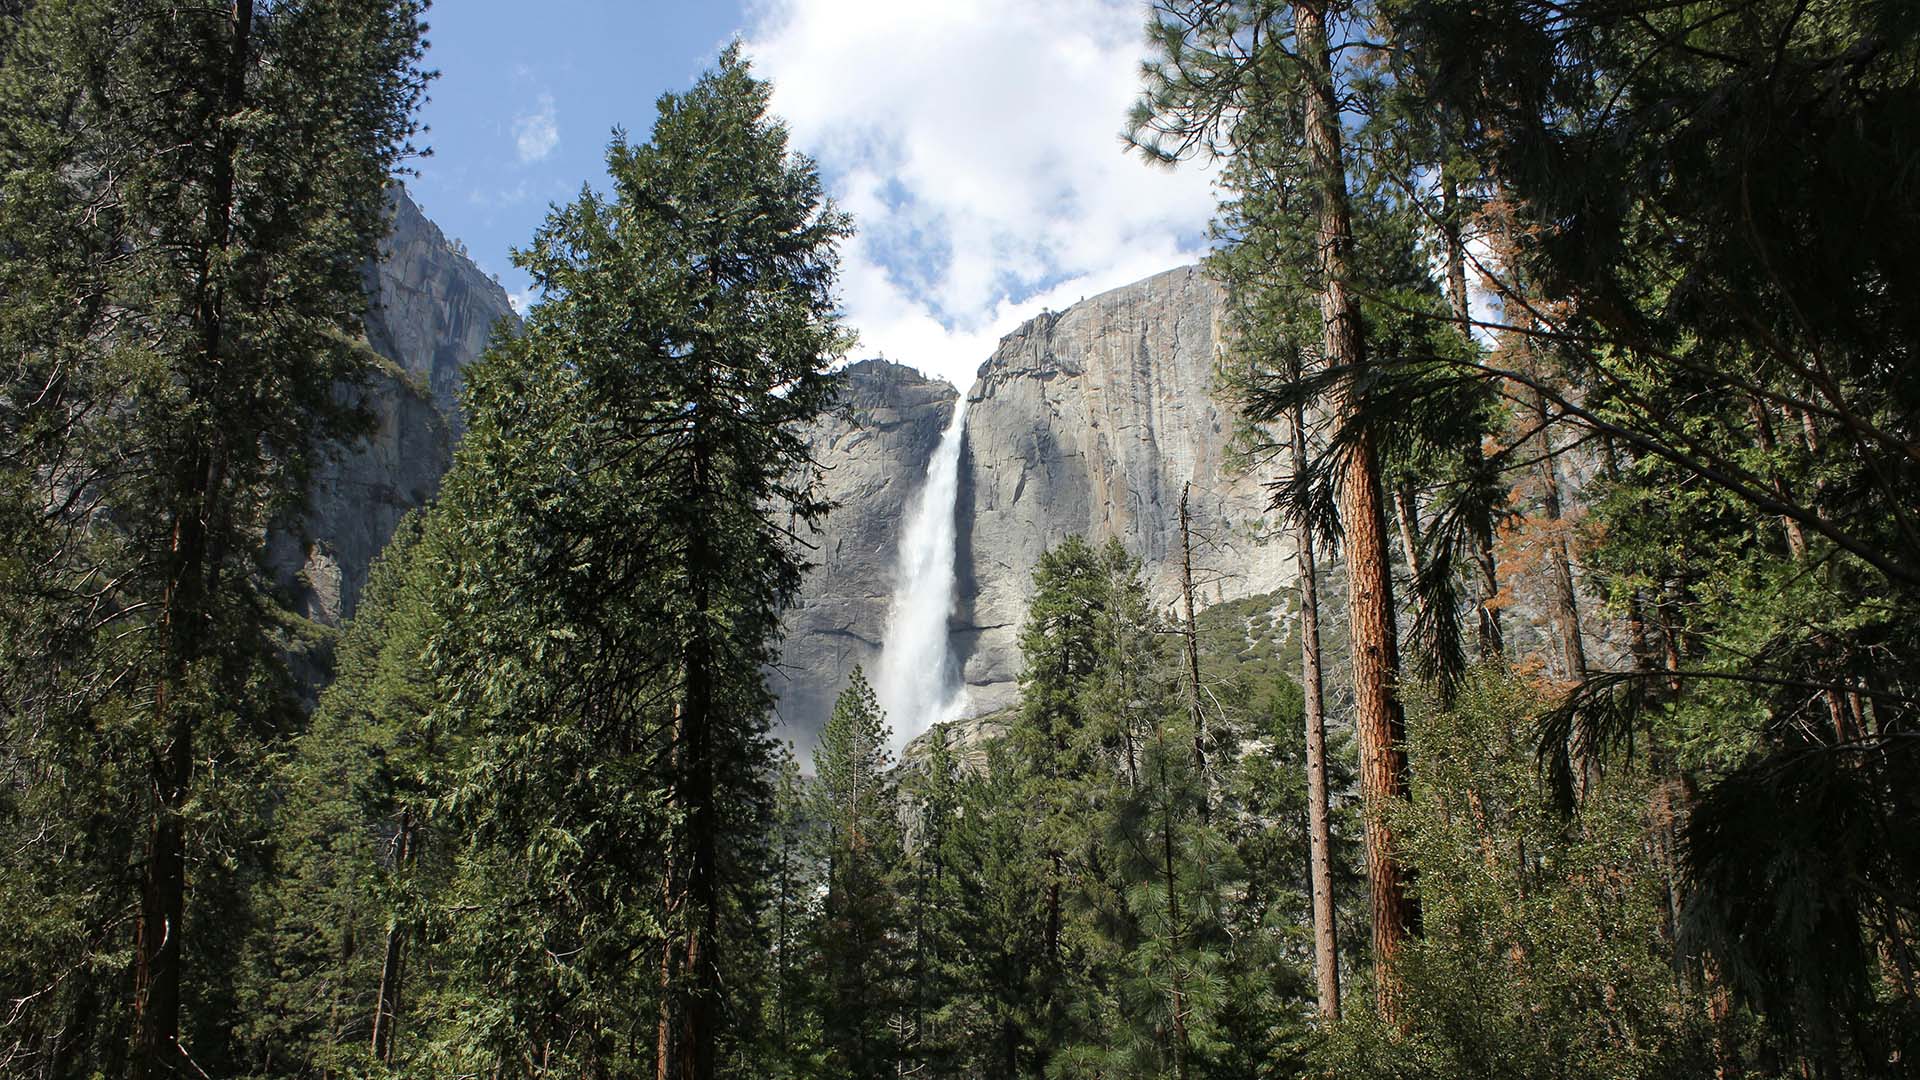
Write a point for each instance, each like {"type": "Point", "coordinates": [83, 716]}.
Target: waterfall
{"type": "Point", "coordinates": [917, 685]}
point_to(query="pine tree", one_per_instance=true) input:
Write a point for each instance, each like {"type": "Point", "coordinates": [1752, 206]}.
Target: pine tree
{"type": "Point", "coordinates": [1545, 955]}
{"type": "Point", "coordinates": [1706, 244]}
{"type": "Point", "coordinates": [1078, 733]}
{"type": "Point", "coordinates": [1059, 649]}
{"type": "Point", "coordinates": [1177, 869]}
{"type": "Point", "coordinates": [792, 999]}
{"type": "Point", "coordinates": [933, 792]}
{"type": "Point", "coordinates": [995, 893]}
{"type": "Point", "coordinates": [353, 856]}
{"type": "Point", "coordinates": [1267, 817]}
{"type": "Point", "coordinates": [860, 936]}
{"type": "Point", "coordinates": [1326, 930]}
{"type": "Point", "coordinates": [1217, 65]}
{"type": "Point", "coordinates": [187, 205]}
{"type": "Point", "coordinates": [629, 485]}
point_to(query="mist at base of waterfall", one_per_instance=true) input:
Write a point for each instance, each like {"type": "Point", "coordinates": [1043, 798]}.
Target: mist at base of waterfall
{"type": "Point", "coordinates": [917, 684]}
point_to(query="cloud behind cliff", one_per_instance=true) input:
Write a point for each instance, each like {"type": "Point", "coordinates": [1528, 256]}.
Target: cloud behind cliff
{"type": "Point", "coordinates": [977, 144]}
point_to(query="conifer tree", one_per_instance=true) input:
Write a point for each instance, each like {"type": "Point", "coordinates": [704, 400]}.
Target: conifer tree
{"type": "Point", "coordinates": [933, 792]}
{"type": "Point", "coordinates": [1706, 248]}
{"type": "Point", "coordinates": [615, 598]}
{"type": "Point", "coordinates": [1059, 649]}
{"type": "Point", "coordinates": [1158, 865]}
{"type": "Point", "coordinates": [791, 1001]}
{"type": "Point", "coordinates": [995, 890]}
{"type": "Point", "coordinates": [1065, 742]}
{"type": "Point", "coordinates": [1544, 955]}
{"type": "Point", "coordinates": [353, 854]}
{"type": "Point", "coordinates": [1217, 66]}
{"type": "Point", "coordinates": [186, 203]}
{"type": "Point", "coordinates": [1273, 895]}
{"type": "Point", "coordinates": [858, 815]}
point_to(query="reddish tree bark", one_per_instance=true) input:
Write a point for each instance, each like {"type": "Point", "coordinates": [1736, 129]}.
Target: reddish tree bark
{"type": "Point", "coordinates": [1379, 721]}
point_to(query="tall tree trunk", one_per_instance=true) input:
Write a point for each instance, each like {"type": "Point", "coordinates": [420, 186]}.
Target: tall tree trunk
{"type": "Point", "coordinates": [1192, 636]}
{"type": "Point", "coordinates": [672, 902]}
{"type": "Point", "coordinates": [1407, 517]}
{"type": "Point", "coordinates": [162, 905]}
{"type": "Point", "coordinates": [1378, 719]}
{"type": "Point", "coordinates": [1796, 534]}
{"type": "Point", "coordinates": [1456, 249]}
{"type": "Point", "coordinates": [1326, 957]}
{"type": "Point", "coordinates": [386, 1011]}
{"type": "Point", "coordinates": [1486, 579]}
{"type": "Point", "coordinates": [700, 1007]}
{"type": "Point", "coordinates": [1563, 604]}
{"type": "Point", "coordinates": [192, 563]}
{"type": "Point", "coordinates": [1488, 637]}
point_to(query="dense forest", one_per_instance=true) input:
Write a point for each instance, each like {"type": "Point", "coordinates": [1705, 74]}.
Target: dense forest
{"type": "Point", "coordinates": [1609, 307]}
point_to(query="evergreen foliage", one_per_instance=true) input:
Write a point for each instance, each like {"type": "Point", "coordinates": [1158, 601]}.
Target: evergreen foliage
{"type": "Point", "coordinates": [1666, 418]}
{"type": "Point", "coordinates": [1602, 315]}
{"type": "Point", "coordinates": [186, 203]}
{"type": "Point", "coordinates": [860, 935]}
{"type": "Point", "coordinates": [613, 592]}
{"type": "Point", "coordinates": [340, 930]}
{"type": "Point", "coordinates": [1549, 950]}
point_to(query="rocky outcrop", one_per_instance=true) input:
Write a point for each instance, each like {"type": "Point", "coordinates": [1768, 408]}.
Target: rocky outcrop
{"type": "Point", "coordinates": [969, 739]}
{"type": "Point", "coordinates": [1086, 421]}
{"type": "Point", "coordinates": [1092, 421]}
{"type": "Point", "coordinates": [431, 312]}
{"type": "Point", "coordinates": [874, 449]}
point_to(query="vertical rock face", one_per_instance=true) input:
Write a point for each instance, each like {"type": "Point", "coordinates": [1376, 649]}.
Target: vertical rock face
{"type": "Point", "coordinates": [1091, 421]}
{"type": "Point", "coordinates": [431, 312]}
{"type": "Point", "coordinates": [1088, 421]}
{"type": "Point", "coordinates": [874, 448]}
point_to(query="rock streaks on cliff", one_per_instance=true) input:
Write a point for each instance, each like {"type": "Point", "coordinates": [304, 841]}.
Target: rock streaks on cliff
{"type": "Point", "coordinates": [431, 312]}
{"type": "Point", "coordinates": [1091, 421]}
{"type": "Point", "coordinates": [874, 450]}
{"type": "Point", "coordinates": [1085, 421]}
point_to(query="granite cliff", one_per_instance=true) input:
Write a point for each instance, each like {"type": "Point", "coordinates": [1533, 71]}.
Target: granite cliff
{"type": "Point", "coordinates": [430, 312]}
{"type": "Point", "coordinates": [1088, 421]}
{"type": "Point", "coordinates": [874, 450]}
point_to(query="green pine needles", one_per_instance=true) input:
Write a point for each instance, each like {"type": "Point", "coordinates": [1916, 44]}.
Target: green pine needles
{"type": "Point", "coordinates": [1585, 334]}
{"type": "Point", "coordinates": [187, 200]}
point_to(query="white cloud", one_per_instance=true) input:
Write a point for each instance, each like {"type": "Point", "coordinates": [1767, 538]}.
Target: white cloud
{"type": "Point", "coordinates": [537, 133]}
{"type": "Point", "coordinates": [495, 197]}
{"type": "Point", "coordinates": [977, 144]}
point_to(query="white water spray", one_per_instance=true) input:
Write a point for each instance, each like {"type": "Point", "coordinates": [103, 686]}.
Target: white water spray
{"type": "Point", "coordinates": [917, 685]}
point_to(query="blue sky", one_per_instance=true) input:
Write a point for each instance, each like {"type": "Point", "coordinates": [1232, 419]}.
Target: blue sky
{"type": "Point", "coordinates": [528, 95]}
{"type": "Point", "coordinates": [976, 143]}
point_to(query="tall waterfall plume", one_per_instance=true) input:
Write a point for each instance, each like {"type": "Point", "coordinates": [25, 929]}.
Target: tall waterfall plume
{"type": "Point", "coordinates": [917, 685]}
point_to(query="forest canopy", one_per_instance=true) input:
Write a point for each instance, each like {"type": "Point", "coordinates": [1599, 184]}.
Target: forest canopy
{"type": "Point", "coordinates": [1578, 346]}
